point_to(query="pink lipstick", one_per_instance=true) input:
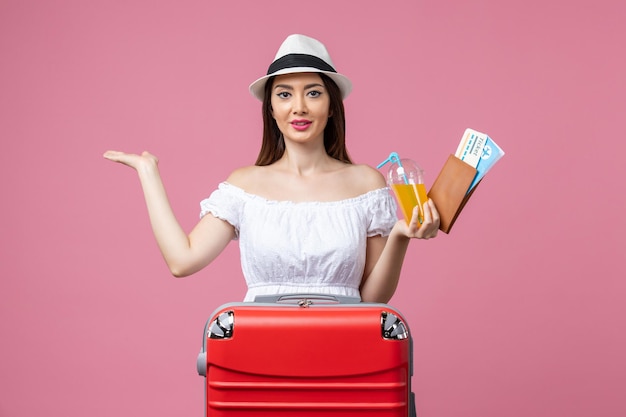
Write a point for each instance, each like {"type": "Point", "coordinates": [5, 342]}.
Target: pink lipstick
{"type": "Point", "coordinates": [300, 124]}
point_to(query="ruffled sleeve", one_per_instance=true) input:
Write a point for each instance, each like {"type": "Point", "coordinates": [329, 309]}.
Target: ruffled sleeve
{"type": "Point", "coordinates": [225, 203]}
{"type": "Point", "coordinates": [383, 210]}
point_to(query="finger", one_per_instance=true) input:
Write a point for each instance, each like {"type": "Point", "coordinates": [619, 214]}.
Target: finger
{"type": "Point", "coordinates": [113, 155]}
{"type": "Point", "coordinates": [434, 213]}
{"type": "Point", "coordinates": [147, 154]}
{"type": "Point", "coordinates": [435, 220]}
{"type": "Point", "coordinates": [123, 158]}
{"type": "Point", "coordinates": [427, 213]}
{"type": "Point", "coordinates": [414, 223]}
{"type": "Point", "coordinates": [420, 230]}
{"type": "Point", "coordinates": [430, 226]}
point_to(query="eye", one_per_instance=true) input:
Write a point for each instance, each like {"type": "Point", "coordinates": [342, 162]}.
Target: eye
{"type": "Point", "coordinates": [314, 93]}
{"type": "Point", "coordinates": [283, 94]}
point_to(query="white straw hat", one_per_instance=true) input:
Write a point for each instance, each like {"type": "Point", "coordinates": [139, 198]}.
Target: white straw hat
{"type": "Point", "coordinates": [299, 53]}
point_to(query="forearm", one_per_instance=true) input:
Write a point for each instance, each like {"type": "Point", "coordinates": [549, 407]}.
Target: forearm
{"type": "Point", "coordinates": [171, 238]}
{"type": "Point", "coordinates": [184, 254]}
{"type": "Point", "coordinates": [381, 283]}
{"type": "Point", "coordinates": [381, 280]}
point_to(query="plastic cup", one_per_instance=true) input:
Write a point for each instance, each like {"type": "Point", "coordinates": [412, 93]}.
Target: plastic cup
{"type": "Point", "coordinates": [406, 179]}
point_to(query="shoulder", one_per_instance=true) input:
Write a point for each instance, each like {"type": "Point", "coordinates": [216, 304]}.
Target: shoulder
{"type": "Point", "coordinates": [245, 177]}
{"type": "Point", "coordinates": [366, 177]}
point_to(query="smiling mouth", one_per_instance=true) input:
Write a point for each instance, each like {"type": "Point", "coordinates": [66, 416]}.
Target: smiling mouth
{"type": "Point", "coordinates": [301, 125]}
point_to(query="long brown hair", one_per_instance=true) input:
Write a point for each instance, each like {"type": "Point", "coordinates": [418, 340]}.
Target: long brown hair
{"type": "Point", "coordinates": [273, 145]}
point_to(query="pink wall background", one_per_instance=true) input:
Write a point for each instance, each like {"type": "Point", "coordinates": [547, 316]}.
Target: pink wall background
{"type": "Point", "coordinates": [518, 312]}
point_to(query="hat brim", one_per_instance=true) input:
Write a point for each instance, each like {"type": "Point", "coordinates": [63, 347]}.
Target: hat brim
{"type": "Point", "coordinates": [257, 88]}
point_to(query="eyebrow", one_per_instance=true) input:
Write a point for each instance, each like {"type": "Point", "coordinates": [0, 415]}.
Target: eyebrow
{"type": "Point", "coordinates": [306, 87]}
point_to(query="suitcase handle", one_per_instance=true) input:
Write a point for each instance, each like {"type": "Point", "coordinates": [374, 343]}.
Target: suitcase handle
{"type": "Point", "coordinates": [305, 300]}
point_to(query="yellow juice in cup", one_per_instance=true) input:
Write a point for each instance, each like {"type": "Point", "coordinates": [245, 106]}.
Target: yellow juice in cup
{"type": "Point", "coordinates": [409, 196]}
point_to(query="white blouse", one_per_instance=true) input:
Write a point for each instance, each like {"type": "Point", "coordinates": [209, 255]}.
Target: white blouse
{"type": "Point", "coordinates": [306, 247]}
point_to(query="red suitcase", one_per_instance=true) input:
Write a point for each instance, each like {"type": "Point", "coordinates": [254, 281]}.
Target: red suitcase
{"type": "Point", "coordinates": [307, 355]}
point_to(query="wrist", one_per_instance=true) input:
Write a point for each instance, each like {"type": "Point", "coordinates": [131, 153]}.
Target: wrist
{"type": "Point", "coordinates": [148, 168]}
{"type": "Point", "coordinates": [398, 232]}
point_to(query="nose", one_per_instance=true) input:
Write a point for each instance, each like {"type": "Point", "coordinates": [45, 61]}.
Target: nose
{"type": "Point", "coordinates": [299, 104]}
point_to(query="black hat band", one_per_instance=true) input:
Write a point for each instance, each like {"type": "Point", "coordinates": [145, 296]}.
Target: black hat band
{"type": "Point", "coordinates": [299, 60]}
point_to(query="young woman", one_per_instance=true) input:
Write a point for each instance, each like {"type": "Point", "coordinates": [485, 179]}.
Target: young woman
{"type": "Point", "coordinates": [307, 219]}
